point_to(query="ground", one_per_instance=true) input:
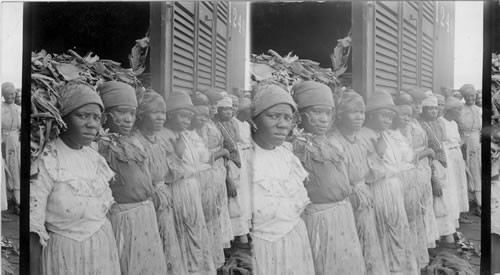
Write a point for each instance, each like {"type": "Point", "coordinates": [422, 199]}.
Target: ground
{"type": "Point", "coordinates": [10, 232]}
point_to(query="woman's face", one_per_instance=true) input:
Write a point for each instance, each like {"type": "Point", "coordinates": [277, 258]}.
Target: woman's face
{"type": "Point", "coordinates": [454, 114]}
{"type": "Point", "coordinates": [404, 116]}
{"type": "Point", "coordinates": [225, 113]}
{"type": "Point", "coordinates": [479, 100]}
{"type": "Point", "coordinates": [213, 109]}
{"type": "Point", "coordinates": [17, 100]}
{"type": "Point", "coordinates": [416, 106]}
{"type": "Point", "coordinates": [236, 106]}
{"type": "Point", "coordinates": [273, 125]}
{"type": "Point", "coordinates": [121, 119]}
{"type": "Point", "coordinates": [180, 120]}
{"type": "Point", "coordinates": [352, 120]}
{"type": "Point", "coordinates": [317, 119]}
{"type": "Point", "coordinates": [153, 120]}
{"type": "Point", "coordinates": [201, 117]}
{"type": "Point", "coordinates": [382, 119]}
{"type": "Point", "coordinates": [83, 125]}
{"type": "Point", "coordinates": [440, 108]}
{"type": "Point", "coordinates": [470, 99]}
{"type": "Point", "coordinates": [9, 95]}
{"type": "Point", "coordinates": [429, 113]}
{"type": "Point", "coordinates": [457, 95]}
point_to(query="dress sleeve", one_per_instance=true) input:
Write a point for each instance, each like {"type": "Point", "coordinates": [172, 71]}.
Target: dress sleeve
{"type": "Point", "coordinates": [40, 189]}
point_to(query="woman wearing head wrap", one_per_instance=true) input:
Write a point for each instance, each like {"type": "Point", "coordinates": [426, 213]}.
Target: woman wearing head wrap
{"type": "Point", "coordinates": [11, 125]}
{"type": "Point", "coordinates": [479, 98]}
{"type": "Point", "coordinates": [70, 195]}
{"type": "Point", "coordinates": [194, 238]}
{"type": "Point", "coordinates": [329, 219]}
{"type": "Point", "coordinates": [350, 116]}
{"type": "Point", "coordinates": [164, 167]}
{"type": "Point", "coordinates": [408, 174]}
{"type": "Point", "coordinates": [18, 97]}
{"type": "Point", "coordinates": [133, 216]}
{"type": "Point", "coordinates": [419, 141]}
{"type": "Point", "coordinates": [454, 158]}
{"type": "Point", "coordinates": [441, 102]}
{"type": "Point", "coordinates": [445, 197]}
{"type": "Point", "coordinates": [196, 133]}
{"type": "Point", "coordinates": [392, 222]}
{"type": "Point", "coordinates": [281, 242]}
{"type": "Point", "coordinates": [215, 142]}
{"type": "Point", "coordinates": [495, 199]}
{"type": "Point", "coordinates": [470, 131]}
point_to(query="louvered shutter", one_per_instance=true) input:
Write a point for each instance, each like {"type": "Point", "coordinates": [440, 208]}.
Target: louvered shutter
{"type": "Point", "coordinates": [427, 55]}
{"type": "Point", "coordinates": [386, 46]}
{"type": "Point", "coordinates": [205, 46]}
{"type": "Point", "coordinates": [221, 45]}
{"type": "Point", "coordinates": [409, 45]}
{"type": "Point", "coordinates": [183, 57]}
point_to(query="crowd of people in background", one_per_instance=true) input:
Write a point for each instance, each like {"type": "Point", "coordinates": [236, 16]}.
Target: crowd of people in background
{"type": "Point", "coordinates": [305, 181]}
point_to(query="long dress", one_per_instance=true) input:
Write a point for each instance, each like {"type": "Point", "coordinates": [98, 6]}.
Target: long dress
{"type": "Point", "coordinates": [358, 169]}
{"type": "Point", "coordinates": [411, 198]}
{"type": "Point", "coordinates": [3, 187]}
{"type": "Point", "coordinates": [133, 217]}
{"type": "Point", "coordinates": [69, 200]}
{"type": "Point", "coordinates": [192, 231]}
{"type": "Point", "coordinates": [214, 141]}
{"type": "Point", "coordinates": [11, 125]}
{"type": "Point", "coordinates": [329, 218]}
{"type": "Point", "coordinates": [456, 164]}
{"type": "Point", "coordinates": [244, 145]}
{"type": "Point", "coordinates": [392, 223]}
{"type": "Point", "coordinates": [419, 141]}
{"type": "Point", "coordinates": [164, 167]}
{"type": "Point", "coordinates": [470, 131]}
{"type": "Point", "coordinates": [280, 238]}
{"type": "Point", "coordinates": [208, 195]}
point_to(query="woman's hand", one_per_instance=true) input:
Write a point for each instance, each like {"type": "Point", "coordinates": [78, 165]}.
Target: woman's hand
{"type": "Point", "coordinates": [437, 188]}
{"type": "Point", "coordinates": [179, 146]}
{"type": "Point", "coordinates": [35, 254]}
{"type": "Point", "coordinates": [380, 146]}
{"type": "Point", "coordinates": [231, 188]}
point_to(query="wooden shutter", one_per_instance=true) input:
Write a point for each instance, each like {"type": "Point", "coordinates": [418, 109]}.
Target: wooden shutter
{"type": "Point", "coordinates": [409, 55]}
{"type": "Point", "coordinates": [205, 46]}
{"type": "Point", "coordinates": [427, 59]}
{"type": "Point", "coordinates": [386, 46]}
{"type": "Point", "coordinates": [183, 57]}
{"type": "Point", "coordinates": [221, 45]}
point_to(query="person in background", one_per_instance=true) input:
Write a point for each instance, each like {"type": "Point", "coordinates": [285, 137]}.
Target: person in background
{"type": "Point", "coordinates": [165, 168]}
{"type": "Point", "coordinates": [445, 197]}
{"type": "Point", "coordinates": [11, 146]}
{"type": "Point", "coordinates": [479, 98]}
{"type": "Point", "coordinates": [196, 133]}
{"type": "Point", "coordinates": [470, 130]}
{"type": "Point", "coordinates": [392, 222]}
{"type": "Point", "coordinates": [329, 218]}
{"type": "Point", "coordinates": [441, 102]}
{"type": "Point", "coordinates": [350, 116]}
{"type": "Point", "coordinates": [495, 200]}
{"type": "Point", "coordinates": [420, 144]}
{"type": "Point", "coordinates": [192, 232]}
{"type": "Point", "coordinates": [408, 174]}
{"type": "Point", "coordinates": [458, 95]}
{"type": "Point", "coordinates": [70, 195]}
{"type": "Point", "coordinates": [215, 144]}
{"type": "Point", "coordinates": [18, 97]}
{"type": "Point", "coordinates": [133, 216]}
{"type": "Point", "coordinates": [456, 165]}
{"type": "Point", "coordinates": [281, 242]}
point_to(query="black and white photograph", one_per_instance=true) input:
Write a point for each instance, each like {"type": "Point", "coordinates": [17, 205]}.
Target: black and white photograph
{"type": "Point", "coordinates": [257, 137]}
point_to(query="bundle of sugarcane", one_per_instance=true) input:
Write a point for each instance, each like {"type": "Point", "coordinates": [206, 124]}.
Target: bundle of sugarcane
{"type": "Point", "coordinates": [49, 72]}
{"type": "Point", "coordinates": [290, 70]}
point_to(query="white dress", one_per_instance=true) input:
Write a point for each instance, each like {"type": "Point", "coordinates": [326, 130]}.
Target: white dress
{"type": "Point", "coordinates": [281, 243]}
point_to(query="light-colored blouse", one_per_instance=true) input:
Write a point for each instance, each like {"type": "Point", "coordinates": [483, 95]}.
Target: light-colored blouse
{"type": "Point", "coordinates": [70, 195]}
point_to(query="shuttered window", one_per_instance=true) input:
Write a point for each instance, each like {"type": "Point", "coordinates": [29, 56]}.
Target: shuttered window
{"type": "Point", "coordinates": [409, 54]}
{"type": "Point", "coordinates": [386, 46]}
{"type": "Point", "coordinates": [199, 48]}
{"type": "Point", "coordinates": [427, 78]}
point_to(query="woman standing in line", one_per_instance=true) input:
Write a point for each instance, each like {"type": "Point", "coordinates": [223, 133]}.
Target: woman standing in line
{"type": "Point", "coordinates": [392, 222]}
{"type": "Point", "coordinates": [360, 163]}
{"type": "Point", "coordinates": [470, 130]}
{"type": "Point", "coordinates": [281, 242]}
{"type": "Point", "coordinates": [329, 218]}
{"type": "Point", "coordinates": [11, 125]}
{"type": "Point", "coordinates": [410, 185]}
{"type": "Point", "coordinates": [70, 195]}
{"type": "Point", "coordinates": [133, 216]}
{"type": "Point", "coordinates": [194, 238]}
{"type": "Point", "coordinates": [165, 167]}
{"type": "Point", "coordinates": [419, 141]}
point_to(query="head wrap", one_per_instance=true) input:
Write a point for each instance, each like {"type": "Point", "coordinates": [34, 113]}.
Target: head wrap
{"type": "Point", "coordinates": [200, 99]}
{"type": "Point", "coordinates": [76, 95]}
{"type": "Point", "coordinates": [404, 98]}
{"type": "Point", "coordinates": [451, 103]}
{"type": "Point", "coordinates": [6, 86]}
{"type": "Point", "coordinates": [405, 107]}
{"type": "Point", "coordinates": [226, 101]}
{"type": "Point", "coordinates": [245, 103]}
{"type": "Point", "coordinates": [114, 93]}
{"type": "Point", "coordinates": [150, 101]}
{"type": "Point", "coordinates": [350, 100]}
{"type": "Point", "coordinates": [416, 93]}
{"type": "Point", "coordinates": [467, 89]}
{"type": "Point", "coordinates": [440, 98]}
{"type": "Point", "coordinates": [234, 98]}
{"type": "Point", "coordinates": [179, 100]}
{"type": "Point", "coordinates": [381, 100]}
{"type": "Point", "coordinates": [214, 94]}
{"type": "Point", "coordinates": [311, 93]}
{"type": "Point", "coordinates": [430, 101]}
{"type": "Point", "coordinates": [266, 96]}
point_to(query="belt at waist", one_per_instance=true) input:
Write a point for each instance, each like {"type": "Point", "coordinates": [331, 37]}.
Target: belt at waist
{"type": "Point", "coordinates": [317, 208]}
{"type": "Point", "coordinates": [119, 208]}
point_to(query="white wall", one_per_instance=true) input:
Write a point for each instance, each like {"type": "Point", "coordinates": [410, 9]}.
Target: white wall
{"type": "Point", "coordinates": [11, 42]}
